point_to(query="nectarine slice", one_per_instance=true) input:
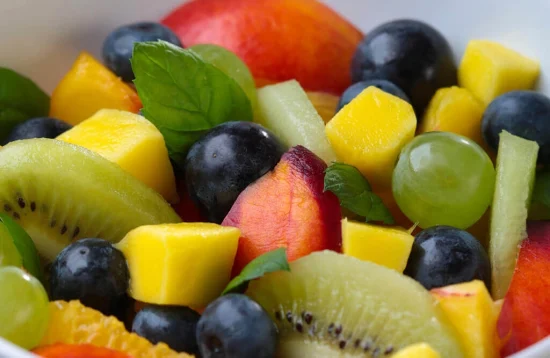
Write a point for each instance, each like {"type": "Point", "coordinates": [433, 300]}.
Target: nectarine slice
{"type": "Point", "coordinates": [279, 40]}
{"type": "Point", "coordinates": [525, 315]}
{"type": "Point", "coordinates": [287, 208]}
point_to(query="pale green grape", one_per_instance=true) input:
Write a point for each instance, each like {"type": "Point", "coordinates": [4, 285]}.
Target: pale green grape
{"type": "Point", "coordinates": [443, 179]}
{"type": "Point", "coordinates": [23, 309]}
{"type": "Point", "coordinates": [231, 65]}
{"type": "Point", "coordinates": [9, 255]}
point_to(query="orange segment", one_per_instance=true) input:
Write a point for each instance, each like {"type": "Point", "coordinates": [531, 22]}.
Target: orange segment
{"type": "Point", "coordinates": [74, 323]}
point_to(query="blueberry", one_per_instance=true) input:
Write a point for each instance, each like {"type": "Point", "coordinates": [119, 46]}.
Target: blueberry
{"type": "Point", "coordinates": [92, 271]}
{"type": "Point", "coordinates": [525, 114]}
{"type": "Point", "coordinates": [222, 163]}
{"type": "Point", "coordinates": [353, 91]}
{"type": "Point", "coordinates": [175, 326]}
{"type": "Point", "coordinates": [444, 255]}
{"type": "Point", "coordinates": [119, 45]}
{"type": "Point", "coordinates": [409, 53]}
{"type": "Point", "coordinates": [42, 127]}
{"type": "Point", "coordinates": [234, 326]}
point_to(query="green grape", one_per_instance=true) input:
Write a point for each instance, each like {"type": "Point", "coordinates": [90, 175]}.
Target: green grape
{"type": "Point", "coordinates": [443, 179]}
{"type": "Point", "coordinates": [231, 65]}
{"type": "Point", "coordinates": [24, 310]}
{"type": "Point", "coordinates": [9, 255]}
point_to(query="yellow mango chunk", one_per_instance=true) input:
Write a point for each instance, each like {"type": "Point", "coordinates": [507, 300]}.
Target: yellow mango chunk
{"type": "Point", "coordinates": [88, 87]}
{"type": "Point", "coordinates": [488, 69]}
{"type": "Point", "coordinates": [186, 264]}
{"type": "Point", "coordinates": [132, 142]}
{"type": "Point", "coordinates": [384, 246]}
{"type": "Point", "coordinates": [456, 110]}
{"type": "Point", "coordinates": [370, 131]}
{"type": "Point", "coordinates": [419, 350]}
{"type": "Point", "coordinates": [471, 310]}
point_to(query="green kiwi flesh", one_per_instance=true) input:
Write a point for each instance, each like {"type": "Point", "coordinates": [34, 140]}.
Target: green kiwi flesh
{"type": "Point", "coordinates": [332, 305]}
{"type": "Point", "coordinates": [59, 193]}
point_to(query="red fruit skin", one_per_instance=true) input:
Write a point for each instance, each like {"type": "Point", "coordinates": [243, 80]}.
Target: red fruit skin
{"type": "Point", "coordinates": [279, 40]}
{"type": "Point", "coordinates": [525, 315]}
{"type": "Point", "coordinates": [186, 208]}
{"type": "Point", "coordinates": [287, 208]}
{"type": "Point", "coordinates": [77, 351]}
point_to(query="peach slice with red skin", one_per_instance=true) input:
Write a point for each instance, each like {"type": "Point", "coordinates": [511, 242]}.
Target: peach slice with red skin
{"type": "Point", "coordinates": [279, 40]}
{"type": "Point", "coordinates": [525, 315]}
{"type": "Point", "coordinates": [287, 208]}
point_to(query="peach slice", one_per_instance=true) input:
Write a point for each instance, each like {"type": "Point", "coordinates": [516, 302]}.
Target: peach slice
{"type": "Point", "coordinates": [525, 315]}
{"type": "Point", "coordinates": [287, 208]}
{"type": "Point", "coordinates": [279, 40]}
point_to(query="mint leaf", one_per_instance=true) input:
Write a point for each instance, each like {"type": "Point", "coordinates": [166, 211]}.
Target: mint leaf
{"type": "Point", "coordinates": [269, 262]}
{"type": "Point", "coordinates": [355, 193]}
{"type": "Point", "coordinates": [20, 99]}
{"type": "Point", "coordinates": [183, 95]}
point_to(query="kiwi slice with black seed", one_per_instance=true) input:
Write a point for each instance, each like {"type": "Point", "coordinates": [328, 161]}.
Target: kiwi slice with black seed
{"type": "Point", "coordinates": [332, 305]}
{"type": "Point", "coordinates": [59, 193]}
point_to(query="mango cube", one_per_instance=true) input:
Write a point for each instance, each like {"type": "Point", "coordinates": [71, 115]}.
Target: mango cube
{"type": "Point", "coordinates": [418, 350]}
{"type": "Point", "coordinates": [186, 264]}
{"type": "Point", "coordinates": [370, 131]}
{"type": "Point", "coordinates": [88, 87]}
{"type": "Point", "coordinates": [132, 142]}
{"type": "Point", "coordinates": [456, 110]}
{"type": "Point", "coordinates": [472, 311]}
{"type": "Point", "coordinates": [384, 246]}
{"type": "Point", "coordinates": [489, 69]}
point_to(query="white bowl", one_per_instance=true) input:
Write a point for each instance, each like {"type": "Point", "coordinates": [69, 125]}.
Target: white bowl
{"type": "Point", "coordinates": [42, 38]}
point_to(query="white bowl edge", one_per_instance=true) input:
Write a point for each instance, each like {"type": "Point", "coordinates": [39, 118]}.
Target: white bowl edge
{"type": "Point", "coordinates": [55, 31]}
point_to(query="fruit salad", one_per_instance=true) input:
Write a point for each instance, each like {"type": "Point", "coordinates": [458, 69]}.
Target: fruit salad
{"type": "Point", "coordinates": [211, 186]}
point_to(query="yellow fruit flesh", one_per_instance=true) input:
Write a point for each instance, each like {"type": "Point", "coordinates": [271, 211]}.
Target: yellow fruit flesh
{"type": "Point", "coordinates": [472, 311]}
{"type": "Point", "coordinates": [489, 69]}
{"type": "Point", "coordinates": [88, 87]}
{"type": "Point", "coordinates": [132, 142]}
{"type": "Point", "coordinates": [324, 103]}
{"type": "Point", "coordinates": [73, 323]}
{"type": "Point", "coordinates": [384, 246]}
{"type": "Point", "coordinates": [456, 110]}
{"type": "Point", "coordinates": [419, 350]}
{"type": "Point", "coordinates": [370, 131]}
{"type": "Point", "coordinates": [187, 264]}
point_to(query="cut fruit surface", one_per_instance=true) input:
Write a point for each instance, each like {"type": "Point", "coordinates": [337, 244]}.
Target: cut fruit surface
{"type": "Point", "coordinates": [74, 323]}
{"type": "Point", "coordinates": [386, 246]}
{"type": "Point", "coordinates": [186, 264]}
{"type": "Point", "coordinates": [324, 103]}
{"type": "Point", "coordinates": [419, 350]}
{"type": "Point", "coordinates": [88, 87]}
{"type": "Point", "coordinates": [287, 208]}
{"type": "Point", "coordinates": [370, 132]}
{"type": "Point", "coordinates": [515, 176]}
{"type": "Point", "coordinates": [286, 110]}
{"type": "Point", "coordinates": [132, 142]}
{"type": "Point", "coordinates": [489, 69]}
{"type": "Point", "coordinates": [77, 351]}
{"type": "Point", "coordinates": [59, 193]}
{"type": "Point", "coordinates": [525, 316]}
{"type": "Point", "coordinates": [471, 309]}
{"type": "Point", "coordinates": [332, 305]}
{"type": "Point", "coordinates": [456, 110]}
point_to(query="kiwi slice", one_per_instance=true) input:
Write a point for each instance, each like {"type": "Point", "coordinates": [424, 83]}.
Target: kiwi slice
{"type": "Point", "coordinates": [516, 167]}
{"type": "Point", "coordinates": [59, 192]}
{"type": "Point", "coordinates": [332, 305]}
